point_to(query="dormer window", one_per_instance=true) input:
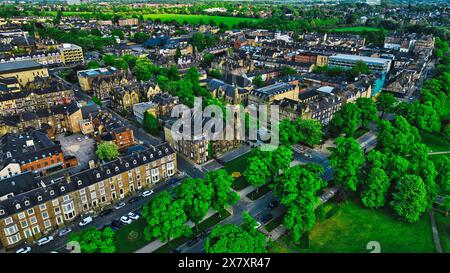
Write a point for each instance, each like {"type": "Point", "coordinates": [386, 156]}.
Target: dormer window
{"type": "Point", "coordinates": [52, 192]}
{"type": "Point", "coordinates": [27, 203]}
{"type": "Point", "coordinates": [144, 158]}
{"type": "Point", "coordinates": [63, 189]}
{"type": "Point", "coordinates": [151, 155]}
{"type": "Point", "coordinates": [116, 169]}
{"type": "Point", "coordinates": [17, 206]}
{"type": "Point", "coordinates": [2, 212]}
{"type": "Point", "coordinates": [80, 182]}
{"type": "Point", "coordinates": [127, 165]}
{"type": "Point", "coordinates": [167, 150]}
{"type": "Point", "coordinates": [108, 171]}
{"type": "Point", "coordinates": [39, 198]}
{"type": "Point", "coordinates": [98, 175]}
{"type": "Point", "coordinates": [134, 162]}
{"type": "Point", "coordinates": [159, 153]}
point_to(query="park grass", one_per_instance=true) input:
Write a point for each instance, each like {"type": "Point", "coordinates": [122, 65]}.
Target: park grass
{"type": "Point", "coordinates": [195, 19]}
{"type": "Point", "coordinates": [126, 244]}
{"type": "Point", "coordinates": [443, 225]}
{"type": "Point", "coordinates": [436, 142]}
{"type": "Point", "coordinates": [238, 165]}
{"type": "Point", "coordinates": [353, 226]}
{"type": "Point", "coordinates": [354, 29]}
{"type": "Point", "coordinates": [204, 225]}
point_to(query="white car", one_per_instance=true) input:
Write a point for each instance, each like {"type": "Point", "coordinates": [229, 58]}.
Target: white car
{"type": "Point", "coordinates": [64, 231]}
{"type": "Point", "coordinates": [147, 193]}
{"type": "Point", "coordinates": [86, 137]}
{"type": "Point", "coordinates": [120, 205]}
{"type": "Point", "coordinates": [125, 220]}
{"type": "Point", "coordinates": [133, 216]}
{"type": "Point", "coordinates": [79, 139]}
{"type": "Point", "coordinates": [85, 221]}
{"type": "Point", "coordinates": [24, 250]}
{"type": "Point", "coordinates": [45, 240]}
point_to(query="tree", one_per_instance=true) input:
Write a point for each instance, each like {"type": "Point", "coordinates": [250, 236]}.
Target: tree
{"type": "Point", "coordinates": [196, 197]}
{"type": "Point", "coordinates": [93, 64]}
{"type": "Point", "coordinates": [144, 69]}
{"type": "Point", "coordinates": [107, 150]}
{"type": "Point", "coordinates": [118, 33]}
{"type": "Point", "coordinates": [165, 218]}
{"type": "Point", "coordinates": [257, 172]}
{"type": "Point", "coordinates": [310, 131]}
{"type": "Point", "coordinates": [286, 71]}
{"type": "Point", "coordinates": [249, 223]}
{"type": "Point", "coordinates": [347, 119]}
{"type": "Point", "coordinates": [376, 188]}
{"type": "Point", "coordinates": [288, 133]}
{"type": "Point", "coordinates": [150, 123]}
{"type": "Point", "coordinates": [258, 81]}
{"type": "Point", "coordinates": [207, 59]}
{"type": "Point", "coordinates": [177, 54]}
{"type": "Point", "coordinates": [95, 241]}
{"type": "Point", "coordinates": [384, 102]}
{"type": "Point", "coordinates": [221, 183]}
{"type": "Point", "coordinates": [140, 37]}
{"type": "Point", "coordinates": [279, 160]}
{"type": "Point", "coordinates": [410, 198]}
{"type": "Point", "coordinates": [346, 159]}
{"type": "Point", "coordinates": [231, 238]}
{"type": "Point", "coordinates": [368, 111]}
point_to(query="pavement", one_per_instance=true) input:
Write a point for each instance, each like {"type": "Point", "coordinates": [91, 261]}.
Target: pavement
{"type": "Point", "coordinates": [437, 242]}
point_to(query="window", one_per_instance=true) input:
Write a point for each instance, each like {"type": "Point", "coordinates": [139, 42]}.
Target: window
{"type": "Point", "coordinates": [42, 207]}
{"type": "Point", "coordinates": [80, 182]}
{"type": "Point", "coordinates": [52, 192]}
{"type": "Point", "coordinates": [33, 220]}
{"type": "Point", "coordinates": [15, 238]}
{"type": "Point", "coordinates": [59, 220]}
{"type": "Point", "coordinates": [17, 206]}
{"type": "Point", "coordinates": [39, 198]}
{"type": "Point", "coordinates": [63, 189]}
{"type": "Point", "coordinates": [66, 198]}
{"type": "Point", "coordinates": [82, 191]}
{"type": "Point", "coordinates": [55, 202]}
{"type": "Point", "coordinates": [30, 211]}
{"type": "Point", "coordinates": [44, 215]}
{"type": "Point", "coordinates": [8, 221]}
{"type": "Point", "coordinates": [57, 210]}
{"type": "Point", "coordinates": [101, 184]}
{"type": "Point", "coordinates": [24, 224]}
{"type": "Point", "coordinates": [21, 215]}
{"type": "Point", "coordinates": [11, 230]}
{"type": "Point", "coordinates": [27, 203]}
{"type": "Point", "coordinates": [47, 223]}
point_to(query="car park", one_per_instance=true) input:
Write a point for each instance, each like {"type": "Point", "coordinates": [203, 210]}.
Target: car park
{"type": "Point", "coordinates": [133, 216]}
{"type": "Point", "coordinates": [64, 231]}
{"type": "Point", "coordinates": [273, 204]}
{"type": "Point", "coordinates": [26, 249]}
{"type": "Point", "coordinates": [45, 240]}
{"type": "Point", "coordinates": [119, 205]}
{"type": "Point", "coordinates": [85, 221]}
{"type": "Point", "coordinates": [124, 219]}
{"type": "Point", "coordinates": [147, 193]}
{"type": "Point", "coordinates": [105, 212]}
{"type": "Point", "coordinates": [266, 218]}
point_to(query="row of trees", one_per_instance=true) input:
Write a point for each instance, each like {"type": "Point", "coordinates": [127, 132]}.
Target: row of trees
{"type": "Point", "coordinates": [166, 216]}
{"type": "Point", "coordinates": [307, 131]}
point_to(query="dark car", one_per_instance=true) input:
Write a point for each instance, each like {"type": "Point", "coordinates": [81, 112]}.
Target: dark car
{"type": "Point", "coordinates": [273, 204]}
{"type": "Point", "coordinates": [205, 233]}
{"type": "Point", "coordinates": [176, 250]}
{"type": "Point", "coordinates": [138, 212]}
{"type": "Point", "coordinates": [173, 180]}
{"type": "Point", "coordinates": [105, 212]}
{"type": "Point", "coordinates": [266, 218]}
{"type": "Point", "coordinates": [192, 241]}
{"type": "Point", "coordinates": [116, 223]}
{"type": "Point", "coordinates": [133, 199]}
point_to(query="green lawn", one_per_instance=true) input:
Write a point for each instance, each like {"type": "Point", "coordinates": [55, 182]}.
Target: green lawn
{"type": "Point", "coordinates": [206, 224]}
{"type": "Point", "coordinates": [195, 19]}
{"type": "Point", "coordinates": [354, 29]}
{"type": "Point", "coordinates": [436, 142]}
{"type": "Point", "coordinates": [352, 227]}
{"type": "Point", "coordinates": [238, 165]}
{"type": "Point", "coordinates": [443, 225]}
{"type": "Point", "coordinates": [130, 238]}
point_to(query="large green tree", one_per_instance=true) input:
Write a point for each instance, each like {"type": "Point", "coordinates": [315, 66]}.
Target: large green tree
{"type": "Point", "coordinates": [150, 123]}
{"type": "Point", "coordinates": [257, 172]}
{"type": "Point", "coordinates": [196, 197]}
{"type": "Point", "coordinates": [376, 187]}
{"type": "Point", "coordinates": [165, 217]}
{"type": "Point", "coordinates": [310, 131]}
{"type": "Point", "coordinates": [385, 102]}
{"type": "Point", "coordinates": [107, 150]}
{"type": "Point", "coordinates": [410, 198]}
{"type": "Point", "coordinates": [223, 195]}
{"type": "Point", "coordinates": [95, 241]}
{"type": "Point", "coordinates": [347, 119]}
{"type": "Point", "coordinates": [346, 159]}
{"type": "Point", "coordinates": [368, 111]}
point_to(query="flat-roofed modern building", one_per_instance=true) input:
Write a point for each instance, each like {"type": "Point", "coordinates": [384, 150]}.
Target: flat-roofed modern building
{"type": "Point", "coordinates": [348, 61]}
{"type": "Point", "coordinates": [71, 54]}
{"type": "Point", "coordinates": [86, 77]}
{"type": "Point", "coordinates": [23, 71]}
{"type": "Point", "coordinates": [277, 91]}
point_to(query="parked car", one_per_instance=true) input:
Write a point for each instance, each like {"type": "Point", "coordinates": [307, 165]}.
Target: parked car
{"type": "Point", "coordinates": [85, 221]}
{"type": "Point", "coordinates": [124, 219]}
{"type": "Point", "coordinates": [173, 180]}
{"type": "Point", "coordinates": [147, 193]}
{"type": "Point", "coordinates": [86, 137]}
{"type": "Point", "coordinates": [138, 212]}
{"type": "Point", "coordinates": [273, 204]}
{"type": "Point", "coordinates": [64, 231]}
{"type": "Point", "coordinates": [120, 205]}
{"type": "Point", "coordinates": [133, 216]}
{"type": "Point", "coordinates": [26, 249]}
{"type": "Point", "coordinates": [79, 139]}
{"type": "Point", "coordinates": [105, 212]}
{"type": "Point", "coordinates": [266, 218]}
{"type": "Point", "coordinates": [133, 199]}
{"type": "Point", "coordinates": [205, 233]}
{"type": "Point", "coordinates": [45, 240]}
{"type": "Point", "coordinates": [192, 241]}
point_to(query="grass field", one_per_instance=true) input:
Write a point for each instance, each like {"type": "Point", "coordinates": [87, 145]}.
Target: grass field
{"type": "Point", "coordinates": [436, 142]}
{"type": "Point", "coordinates": [354, 29]}
{"type": "Point", "coordinates": [190, 18]}
{"type": "Point", "coordinates": [352, 227]}
{"type": "Point", "coordinates": [130, 238]}
{"type": "Point", "coordinates": [238, 165]}
{"type": "Point", "coordinates": [443, 225]}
